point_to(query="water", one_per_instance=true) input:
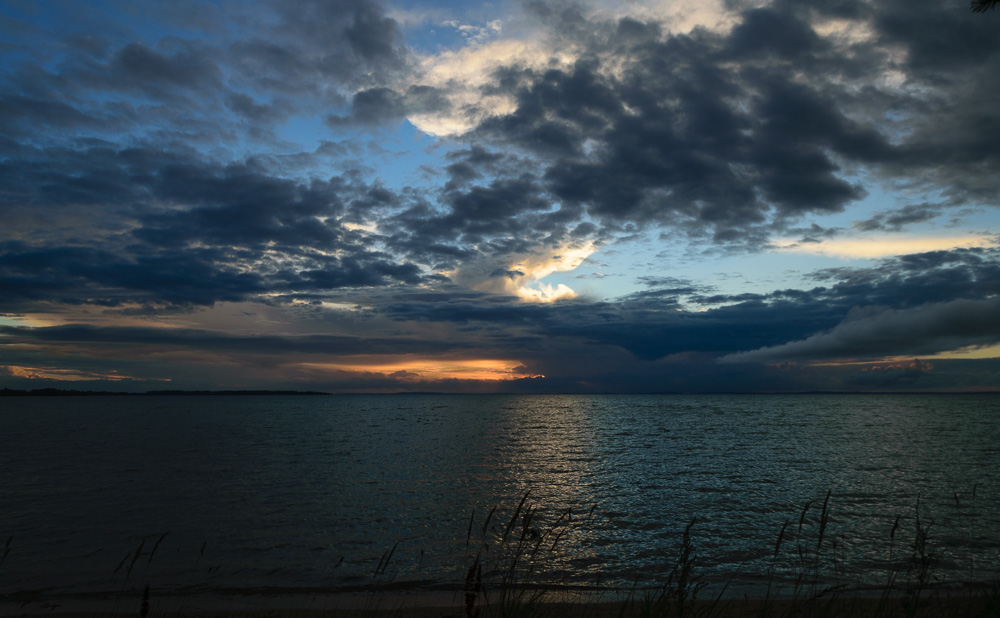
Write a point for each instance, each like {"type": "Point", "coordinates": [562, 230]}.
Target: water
{"type": "Point", "coordinates": [309, 493]}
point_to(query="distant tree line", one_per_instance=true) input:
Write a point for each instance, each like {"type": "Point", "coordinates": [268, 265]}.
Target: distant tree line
{"type": "Point", "coordinates": [59, 392]}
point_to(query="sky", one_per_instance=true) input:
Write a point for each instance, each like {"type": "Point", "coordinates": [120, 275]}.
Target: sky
{"type": "Point", "coordinates": [509, 196]}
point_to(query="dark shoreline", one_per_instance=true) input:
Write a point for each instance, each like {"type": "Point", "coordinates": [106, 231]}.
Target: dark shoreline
{"type": "Point", "coordinates": [452, 605]}
{"type": "Point", "coordinates": [59, 392]}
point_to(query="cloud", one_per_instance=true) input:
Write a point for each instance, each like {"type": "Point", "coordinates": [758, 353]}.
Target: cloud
{"type": "Point", "coordinates": [161, 75]}
{"type": "Point", "coordinates": [665, 132]}
{"type": "Point", "coordinates": [264, 62]}
{"type": "Point", "coordinates": [136, 338]}
{"type": "Point", "coordinates": [772, 31]}
{"type": "Point", "coordinates": [617, 120]}
{"type": "Point", "coordinates": [520, 274]}
{"type": "Point", "coordinates": [310, 43]}
{"type": "Point", "coordinates": [877, 332]}
{"type": "Point", "coordinates": [730, 134]}
{"type": "Point", "coordinates": [159, 226]}
{"type": "Point", "coordinates": [465, 79]}
{"type": "Point", "coordinates": [384, 105]}
{"type": "Point", "coordinates": [473, 33]}
{"type": "Point", "coordinates": [899, 219]}
{"type": "Point", "coordinates": [61, 374]}
{"type": "Point", "coordinates": [891, 375]}
{"type": "Point", "coordinates": [639, 343]}
{"type": "Point", "coordinates": [655, 324]}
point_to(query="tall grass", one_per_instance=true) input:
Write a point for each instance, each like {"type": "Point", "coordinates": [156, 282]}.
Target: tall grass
{"type": "Point", "coordinates": [504, 580]}
{"type": "Point", "coordinates": [514, 556]}
{"type": "Point", "coordinates": [515, 566]}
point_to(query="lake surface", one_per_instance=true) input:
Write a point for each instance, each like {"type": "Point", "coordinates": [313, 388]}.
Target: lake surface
{"type": "Point", "coordinates": [311, 492]}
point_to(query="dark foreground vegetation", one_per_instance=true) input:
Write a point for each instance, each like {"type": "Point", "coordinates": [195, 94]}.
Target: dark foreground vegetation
{"type": "Point", "coordinates": [508, 558]}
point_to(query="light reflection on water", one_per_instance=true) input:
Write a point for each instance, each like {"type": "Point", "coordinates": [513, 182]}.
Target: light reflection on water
{"type": "Point", "coordinates": [280, 489]}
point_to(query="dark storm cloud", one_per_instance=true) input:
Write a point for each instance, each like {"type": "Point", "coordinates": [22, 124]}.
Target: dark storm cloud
{"type": "Point", "coordinates": [681, 136]}
{"type": "Point", "coordinates": [917, 279]}
{"type": "Point", "coordinates": [898, 282]}
{"type": "Point", "coordinates": [737, 135]}
{"type": "Point", "coordinates": [938, 38]}
{"type": "Point", "coordinates": [244, 207]}
{"type": "Point", "coordinates": [88, 275]}
{"type": "Point", "coordinates": [954, 55]}
{"type": "Point", "coordinates": [382, 105]}
{"type": "Point", "coordinates": [247, 107]}
{"type": "Point", "coordinates": [503, 312]}
{"type": "Point", "coordinates": [303, 46]}
{"type": "Point", "coordinates": [167, 227]}
{"type": "Point", "coordinates": [878, 331]}
{"type": "Point", "coordinates": [492, 204]}
{"type": "Point", "coordinates": [211, 341]}
{"type": "Point", "coordinates": [912, 304]}
{"type": "Point", "coordinates": [771, 31]}
{"type": "Point", "coordinates": [161, 75]}
{"type": "Point", "coordinates": [267, 61]}
{"type": "Point", "coordinates": [652, 326]}
{"type": "Point", "coordinates": [648, 325]}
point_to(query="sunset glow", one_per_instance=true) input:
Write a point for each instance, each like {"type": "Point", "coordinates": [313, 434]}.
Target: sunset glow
{"type": "Point", "coordinates": [878, 247]}
{"type": "Point", "coordinates": [481, 369]}
{"type": "Point", "coordinates": [61, 374]}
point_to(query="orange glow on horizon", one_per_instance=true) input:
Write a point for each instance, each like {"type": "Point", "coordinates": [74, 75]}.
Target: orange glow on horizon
{"type": "Point", "coordinates": [477, 369]}
{"type": "Point", "coordinates": [66, 375]}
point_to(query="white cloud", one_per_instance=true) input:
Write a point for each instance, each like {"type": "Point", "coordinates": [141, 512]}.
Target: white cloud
{"type": "Point", "coordinates": [462, 73]}
{"type": "Point", "coordinates": [521, 275]}
{"type": "Point", "coordinates": [476, 34]}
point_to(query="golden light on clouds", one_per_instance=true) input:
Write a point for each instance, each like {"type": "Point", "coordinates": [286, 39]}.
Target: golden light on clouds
{"type": "Point", "coordinates": [370, 227]}
{"type": "Point", "coordinates": [538, 267]}
{"type": "Point", "coordinates": [521, 275]}
{"type": "Point", "coordinates": [561, 259]}
{"type": "Point", "coordinates": [462, 74]}
{"type": "Point", "coordinates": [971, 352]}
{"type": "Point", "coordinates": [65, 375]}
{"type": "Point", "coordinates": [545, 293]}
{"type": "Point", "coordinates": [31, 320]}
{"type": "Point", "coordinates": [882, 246]}
{"type": "Point", "coordinates": [677, 16]}
{"type": "Point", "coordinates": [443, 369]}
